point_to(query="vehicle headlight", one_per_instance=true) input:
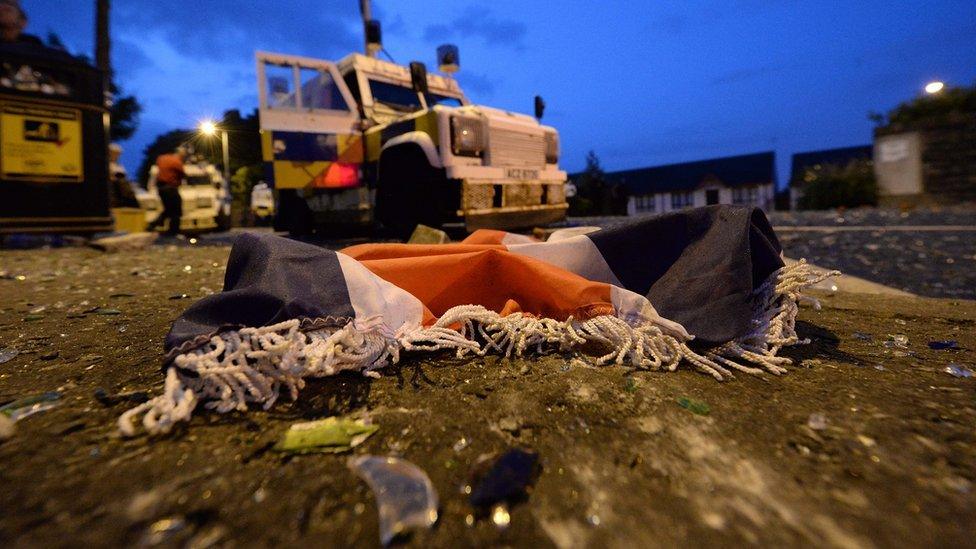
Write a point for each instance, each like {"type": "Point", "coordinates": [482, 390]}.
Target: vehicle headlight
{"type": "Point", "coordinates": [552, 147]}
{"type": "Point", "coordinates": [467, 136]}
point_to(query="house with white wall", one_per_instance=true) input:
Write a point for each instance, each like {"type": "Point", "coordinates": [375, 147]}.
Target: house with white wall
{"type": "Point", "coordinates": [748, 180]}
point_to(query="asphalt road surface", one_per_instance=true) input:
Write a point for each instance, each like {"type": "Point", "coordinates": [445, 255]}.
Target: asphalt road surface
{"type": "Point", "coordinates": [927, 252]}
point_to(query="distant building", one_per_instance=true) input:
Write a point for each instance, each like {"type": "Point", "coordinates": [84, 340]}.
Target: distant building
{"type": "Point", "coordinates": [747, 180]}
{"type": "Point", "coordinates": [814, 160]}
{"type": "Point", "coordinates": [927, 161]}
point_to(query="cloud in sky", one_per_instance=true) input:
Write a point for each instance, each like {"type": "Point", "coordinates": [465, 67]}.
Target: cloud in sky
{"type": "Point", "coordinates": [227, 30]}
{"type": "Point", "coordinates": [478, 87]}
{"type": "Point", "coordinates": [179, 89]}
{"type": "Point", "coordinates": [480, 22]}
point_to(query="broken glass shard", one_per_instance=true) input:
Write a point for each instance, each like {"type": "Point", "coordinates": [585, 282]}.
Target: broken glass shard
{"type": "Point", "coordinates": [958, 370]}
{"type": "Point", "coordinates": [405, 497]}
{"type": "Point", "coordinates": [817, 422]}
{"type": "Point", "coordinates": [8, 354]}
{"type": "Point", "coordinates": [28, 406]}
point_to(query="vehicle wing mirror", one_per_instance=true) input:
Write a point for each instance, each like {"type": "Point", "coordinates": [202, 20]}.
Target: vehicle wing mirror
{"type": "Point", "coordinates": [540, 107]}
{"type": "Point", "coordinates": [418, 77]}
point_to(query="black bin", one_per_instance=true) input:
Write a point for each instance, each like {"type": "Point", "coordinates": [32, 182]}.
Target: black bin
{"type": "Point", "coordinates": [53, 143]}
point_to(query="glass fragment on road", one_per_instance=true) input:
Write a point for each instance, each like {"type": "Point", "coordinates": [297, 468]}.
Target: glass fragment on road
{"type": "Point", "coordinates": [405, 497]}
{"type": "Point", "coordinates": [28, 406]}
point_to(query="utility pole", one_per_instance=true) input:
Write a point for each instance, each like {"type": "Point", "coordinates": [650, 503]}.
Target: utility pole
{"type": "Point", "coordinates": [364, 8]}
{"type": "Point", "coordinates": [225, 145]}
{"type": "Point", "coordinates": [103, 49]}
{"type": "Point", "coordinates": [103, 43]}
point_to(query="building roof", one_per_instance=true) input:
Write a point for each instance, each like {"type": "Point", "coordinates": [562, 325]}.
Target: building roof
{"type": "Point", "coordinates": [841, 156]}
{"type": "Point", "coordinates": [732, 171]}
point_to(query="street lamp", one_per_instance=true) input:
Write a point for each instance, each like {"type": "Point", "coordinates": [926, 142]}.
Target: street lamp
{"type": "Point", "coordinates": [210, 129]}
{"type": "Point", "coordinates": [934, 87]}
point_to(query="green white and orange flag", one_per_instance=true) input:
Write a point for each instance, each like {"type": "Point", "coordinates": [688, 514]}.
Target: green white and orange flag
{"type": "Point", "coordinates": [706, 288]}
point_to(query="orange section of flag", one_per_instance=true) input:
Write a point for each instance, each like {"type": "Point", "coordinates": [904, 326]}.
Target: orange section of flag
{"type": "Point", "coordinates": [444, 276]}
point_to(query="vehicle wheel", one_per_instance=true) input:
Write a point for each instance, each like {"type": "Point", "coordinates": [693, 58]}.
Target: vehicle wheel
{"type": "Point", "coordinates": [407, 193]}
{"type": "Point", "coordinates": [294, 215]}
{"type": "Point", "coordinates": [223, 221]}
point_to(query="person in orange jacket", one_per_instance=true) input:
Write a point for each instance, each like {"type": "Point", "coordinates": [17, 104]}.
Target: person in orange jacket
{"type": "Point", "coordinates": [168, 180]}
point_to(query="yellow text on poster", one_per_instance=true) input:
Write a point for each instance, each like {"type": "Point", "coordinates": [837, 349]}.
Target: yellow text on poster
{"type": "Point", "coordinates": [40, 143]}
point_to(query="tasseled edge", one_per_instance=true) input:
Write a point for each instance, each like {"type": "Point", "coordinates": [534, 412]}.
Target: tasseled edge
{"type": "Point", "coordinates": [255, 365]}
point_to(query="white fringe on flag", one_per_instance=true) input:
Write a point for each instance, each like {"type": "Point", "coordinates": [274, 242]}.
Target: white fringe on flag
{"type": "Point", "coordinates": [255, 365]}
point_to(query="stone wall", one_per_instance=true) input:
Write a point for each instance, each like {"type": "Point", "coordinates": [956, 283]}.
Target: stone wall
{"type": "Point", "coordinates": [948, 158]}
{"type": "Point", "coordinates": [949, 161]}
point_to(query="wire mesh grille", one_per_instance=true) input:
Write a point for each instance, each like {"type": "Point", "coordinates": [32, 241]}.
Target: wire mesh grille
{"type": "Point", "coordinates": [523, 195]}
{"type": "Point", "coordinates": [478, 197]}
{"type": "Point", "coordinates": [556, 194]}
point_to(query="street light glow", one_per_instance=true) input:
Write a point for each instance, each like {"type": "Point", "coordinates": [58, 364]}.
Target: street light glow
{"type": "Point", "coordinates": [208, 127]}
{"type": "Point", "coordinates": [934, 87]}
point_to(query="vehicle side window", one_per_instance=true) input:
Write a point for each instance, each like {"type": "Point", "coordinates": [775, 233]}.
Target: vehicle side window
{"type": "Point", "coordinates": [398, 97]}
{"type": "Point", "coordinates": [280, 93]}
{"type": "Point", "coordinates": [437, 99]}
{"type": "Point", "coordinates": [319, 91]}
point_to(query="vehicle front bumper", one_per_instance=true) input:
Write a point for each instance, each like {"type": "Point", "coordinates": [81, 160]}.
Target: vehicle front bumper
{"type": "Point", "coordinates": [514, 218]}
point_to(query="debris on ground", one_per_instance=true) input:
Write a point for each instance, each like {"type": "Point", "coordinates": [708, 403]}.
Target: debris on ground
{"type": "Point", "coordinates": [817, 422]}
{"type": "Point", "coordinates": [500, 516]}
{"type": "Point", "coordinates": [330, 435]}
{"type": "Point", "coordinates": [696, 407]}
{"type": "Point", "coordinates": [958, 370]}
{"type": "Point", "coordinates": [163, 531]}
{"type": "Point", "coordinates": [461, 444]}
{"type": "Point", "coordinates": [948, 344]}
{"type": "Point", "coordinates": [503, 481]}
{"type": "Point", "coordinates": [7, 427]}
{"type": "Point", "coordinates": [428, 235]}
{"type": "Point", "coordinates": [898, 341]}
{"type": "Point", "coordinates": [899, 345]}
{"type": "Point", "coordinates": [8, 354]}
{"type": "Point", "coordinates": [28, 406]}
{"type": "Point", "coordinates": [405, 497]}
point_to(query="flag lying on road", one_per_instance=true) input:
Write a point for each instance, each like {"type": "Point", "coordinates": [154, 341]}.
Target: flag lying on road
{"type": "Point", "coordinates": [704, 287]}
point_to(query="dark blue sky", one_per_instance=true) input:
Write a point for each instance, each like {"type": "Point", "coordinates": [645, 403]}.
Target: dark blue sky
{"type": "Point", "coordinates": [640, 83]}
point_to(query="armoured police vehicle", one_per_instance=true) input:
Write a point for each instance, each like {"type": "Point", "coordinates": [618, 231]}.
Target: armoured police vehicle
{"type": "Point", "coordinates": [363, 140]}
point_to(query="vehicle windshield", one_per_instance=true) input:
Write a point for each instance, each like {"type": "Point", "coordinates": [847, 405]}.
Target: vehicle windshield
{"type": "Point", "coordinates": [438, 99]}
{"type": "Point", "coordinates": [396, 97]}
